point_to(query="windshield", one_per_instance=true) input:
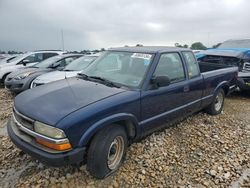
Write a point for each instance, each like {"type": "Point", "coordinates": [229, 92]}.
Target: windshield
{"type": "Point", "coordinates": [236, 44]}
{"type": "Point", "coordinates": [17, 58]}
{"type": "Point", "coordinates": [124, 68]}
{"type": "Point", "coordinates": [48, 62]}
{"type": "Point", "coordinates": [80, 63]}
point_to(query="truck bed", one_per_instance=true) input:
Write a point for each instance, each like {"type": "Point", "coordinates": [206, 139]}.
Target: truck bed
{"type": "Point", "coordinates": [206, 67]}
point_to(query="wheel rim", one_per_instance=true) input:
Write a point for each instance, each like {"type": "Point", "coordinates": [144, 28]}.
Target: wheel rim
{"type": "Point", "coordinates": [218, 101]}
{"type": "Point", "coordinates": [115, 153]}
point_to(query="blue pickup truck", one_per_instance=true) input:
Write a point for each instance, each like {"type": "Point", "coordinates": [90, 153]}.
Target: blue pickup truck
{"type": "Point", "coordinates": [234, 52]}
{"type": "Point", "coordinates": [124, 95]}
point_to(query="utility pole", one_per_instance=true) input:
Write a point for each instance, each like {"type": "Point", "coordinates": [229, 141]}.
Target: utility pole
{"type": "Point", "coordinates": [208, 39]}
{"type": "Point", "coordinates": [62, 39]}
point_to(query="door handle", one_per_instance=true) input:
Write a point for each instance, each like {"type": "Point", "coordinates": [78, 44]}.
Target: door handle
{"type": "Point", "coordinates": [186, 88]}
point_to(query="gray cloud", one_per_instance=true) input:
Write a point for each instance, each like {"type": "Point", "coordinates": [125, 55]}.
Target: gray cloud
{"type": "Point", "coordinates": [29, 24]}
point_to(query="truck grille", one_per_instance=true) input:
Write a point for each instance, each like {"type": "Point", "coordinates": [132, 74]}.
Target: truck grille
{"type": "Point", "coordinates": [23, 120]}
{"type": "Point", "coordinates": [246, 66]}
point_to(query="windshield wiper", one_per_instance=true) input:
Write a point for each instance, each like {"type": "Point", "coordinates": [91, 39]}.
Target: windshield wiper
{"type": "Point", "coordinates": [99, 79]}
{"type": "Point", "coordinates": [84, 76]}
{"type": "Point", "coordinates": [105, 81]}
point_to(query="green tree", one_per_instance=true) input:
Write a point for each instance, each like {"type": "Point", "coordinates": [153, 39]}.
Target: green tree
{"type": "Point", "coordinates": [181, 46]}
{"type": "Point", "coordinates": [198, 46]}
{"type": "Point", "coordinates": [216, 45]}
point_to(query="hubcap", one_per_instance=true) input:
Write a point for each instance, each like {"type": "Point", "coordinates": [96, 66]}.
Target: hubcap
{"type": "Point", "coordinates": [218, 101]}
{"type": "Point", "coordinates": [115, 154]}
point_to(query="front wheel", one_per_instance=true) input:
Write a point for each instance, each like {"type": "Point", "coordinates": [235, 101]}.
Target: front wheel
{"type": "Point", "coordinates": [216, 106]}
{"type": "Point", "coordinates": [107, 151]}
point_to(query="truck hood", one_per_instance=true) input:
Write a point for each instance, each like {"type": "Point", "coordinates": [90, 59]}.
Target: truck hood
{"type": "Point", "coordinates": [52, 102]}
{"type": "Point", "coordinates": [228, 52]}
{"type": "Point", "coordinates": [54, 76]}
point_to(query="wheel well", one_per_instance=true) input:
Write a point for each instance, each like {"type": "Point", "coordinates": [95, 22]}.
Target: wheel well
{"type": "Point", "coordinates": [129, 126]}
{"type": "Point", "coordinates": [4, 77]}
{"type": "Point", "coordinates": [225, 89]}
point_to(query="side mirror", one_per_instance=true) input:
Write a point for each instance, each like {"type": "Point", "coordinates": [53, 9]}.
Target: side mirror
{"type": "Point", "coordinates": [160, 81]}
{"type": "Point", "coordinates": [25, 61]}
{"type": "Point", "coordinates": [54, 65]}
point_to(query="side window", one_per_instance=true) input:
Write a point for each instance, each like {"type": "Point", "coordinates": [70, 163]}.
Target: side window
{"type": "Point", "coordinates": [69, 60]}
{"type": "Point", "coordinates": [31, 58]}
{"type": "Point", "coordinates": [65, 61]}
{"type": "Point", "coordinates": [192, 64]}
{"type": "Point", "coordinates": [39, 57]}
{"type": "Point", "coordinates": [170, 65]}
{"type": "Point", "coordinates": [48, 55]}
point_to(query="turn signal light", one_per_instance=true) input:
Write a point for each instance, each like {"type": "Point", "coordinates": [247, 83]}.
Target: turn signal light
{"type": "Point", "coordinates": [59, 147]}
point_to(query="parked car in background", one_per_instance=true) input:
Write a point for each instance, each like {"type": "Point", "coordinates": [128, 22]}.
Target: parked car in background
{"type": "Point", "coordinates": [8, 59]}
{"type": "Point", "coordinates": [70, 70]}
{"type": "Point", "coordinates": [21, 80]}
{"type": "Point", "coordinates": [2, 56]}
{"type": "Point", "coordinates": [24, 60]}
{"type": "Point", "coordinates": [121, 97]}
{"type": "Point", "coordinates": [233, 53]}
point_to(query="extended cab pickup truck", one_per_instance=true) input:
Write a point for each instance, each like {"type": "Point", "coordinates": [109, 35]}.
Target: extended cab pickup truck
{"type": "Point", "coordinates": [124, 95]}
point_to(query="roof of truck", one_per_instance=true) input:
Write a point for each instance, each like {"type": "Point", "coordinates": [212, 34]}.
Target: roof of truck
{"type": "Point", "coordinates": [149, 49]}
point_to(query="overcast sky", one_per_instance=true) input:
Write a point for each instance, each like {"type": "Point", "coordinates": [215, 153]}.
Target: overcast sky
{"type": "Point", "coordinates": [93, 24]}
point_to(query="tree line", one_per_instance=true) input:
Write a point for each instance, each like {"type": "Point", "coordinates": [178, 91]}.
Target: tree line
{"type": "Point", "coordinates": [194, 46]}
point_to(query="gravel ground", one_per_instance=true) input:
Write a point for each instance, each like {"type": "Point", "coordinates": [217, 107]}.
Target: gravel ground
{"type": "Point", "coordinates": [201, 151]}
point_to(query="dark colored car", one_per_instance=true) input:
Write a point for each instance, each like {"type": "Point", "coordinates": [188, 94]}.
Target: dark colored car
{"type": "Point", "coordinates": [234, 53]}
{"type": "Point", "coordinates": [21, 80]}
{"type": "Point", "coordinates": [124, 95]}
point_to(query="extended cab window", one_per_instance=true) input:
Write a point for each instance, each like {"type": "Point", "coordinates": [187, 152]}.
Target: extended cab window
{"type": "Point", "coordinates": [192, 64]}
{"type": "Point", "coordinates": [170, 65]}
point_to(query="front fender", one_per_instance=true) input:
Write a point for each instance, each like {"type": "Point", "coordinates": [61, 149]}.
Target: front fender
{"type": "Point", "coordinates": [92, 130]}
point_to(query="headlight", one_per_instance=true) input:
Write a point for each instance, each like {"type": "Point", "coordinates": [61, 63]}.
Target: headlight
{"type": "Point", "coordinates": [48, 130]}
{"type": "Point", "coordinates": [22, 76]}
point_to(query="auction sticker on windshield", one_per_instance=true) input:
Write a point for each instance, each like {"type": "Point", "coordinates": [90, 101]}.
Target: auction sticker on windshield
{"type": "Point", "coordinates": [142, 56]}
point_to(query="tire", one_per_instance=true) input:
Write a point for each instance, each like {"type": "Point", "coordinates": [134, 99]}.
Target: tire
{"type": "Point", "coordinates": [216, 106]}
{"type": "Point", "coordinates": [3, 79]}
{"type": "Point", "coordinates": [107, 151]}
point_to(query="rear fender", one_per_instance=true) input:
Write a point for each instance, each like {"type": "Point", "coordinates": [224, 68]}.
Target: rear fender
{"type": "Point", "coordinates": [223, 85]}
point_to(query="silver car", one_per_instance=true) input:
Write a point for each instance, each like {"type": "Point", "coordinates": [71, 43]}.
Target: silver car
{"type": "Point", "coordinates": [70, 70]}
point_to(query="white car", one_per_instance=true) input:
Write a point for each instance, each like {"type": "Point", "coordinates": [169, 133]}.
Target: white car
{"type": "Point", "coordinates": [8, 59]}
{"type": "Point", "coordinates": [70, 70]}
{"type": "Point", "coordinates": [25, 60]}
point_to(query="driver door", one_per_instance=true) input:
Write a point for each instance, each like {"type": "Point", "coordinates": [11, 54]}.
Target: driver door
{"type": "Point", "coordinates": [162, 105]}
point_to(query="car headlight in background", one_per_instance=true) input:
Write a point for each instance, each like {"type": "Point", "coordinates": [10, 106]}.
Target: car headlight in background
{"type": "Point", "coordinates": [22, 76]}
{"type": "Point", "coordinates": [48, 131]}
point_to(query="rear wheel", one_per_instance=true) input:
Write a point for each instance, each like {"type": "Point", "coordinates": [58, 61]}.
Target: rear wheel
{"type": "Point", "coordinates": [217, 105]}
{"type": "Point", "coordinates": [107, 151]}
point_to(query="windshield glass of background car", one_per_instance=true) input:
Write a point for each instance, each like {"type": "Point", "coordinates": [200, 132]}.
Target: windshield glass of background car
{"type": "Point", "coordinates": [236, 44]}
{"type": "Point", "coordinates": [48, 62]}
{"type": "Point", "coordinates": [80, 63]}
{"type": "Point", "coordinates": [124, 68]}
{"type": "Point", "coordinates": [18, 58]}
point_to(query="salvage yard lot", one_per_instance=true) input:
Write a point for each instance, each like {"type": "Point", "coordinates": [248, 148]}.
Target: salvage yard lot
{"type": "Point", "coordinates": [203, 150]}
